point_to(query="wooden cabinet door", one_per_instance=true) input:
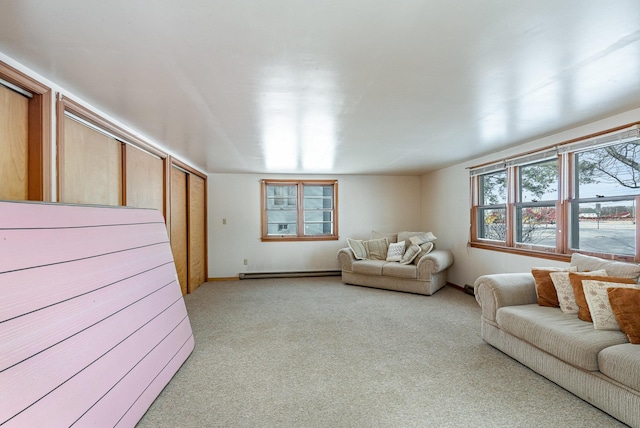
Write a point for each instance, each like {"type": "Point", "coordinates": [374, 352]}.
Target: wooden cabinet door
{"type": "Point", "coordinates": [178, 225]}
{"type": "Point", "coordinates": [144, 179]}
{"type": "Point", "coordinates": [90, 166]}
{"type": "Point", "coordinates": [14, 124]}
{"type": "Point", "coordinates": [197, 232]}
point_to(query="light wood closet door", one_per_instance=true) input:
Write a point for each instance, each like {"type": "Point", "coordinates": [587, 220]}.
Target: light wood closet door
{"type": "Point", "coordinates": [90, 166]}
{"type": "Point", "coordinates": [178, 225]}
{"type": "Point", "coordinates": [14, 145]}
{"type": "Point", "coordinates": [197, 232]}
{"type": "Point", "coordinates": [144, 179]}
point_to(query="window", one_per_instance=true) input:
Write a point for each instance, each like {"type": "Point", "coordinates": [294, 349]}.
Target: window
{"type": "Point", "coordinates": [299, 210]}
{"type": "Point", "coordinates": [580, 196]}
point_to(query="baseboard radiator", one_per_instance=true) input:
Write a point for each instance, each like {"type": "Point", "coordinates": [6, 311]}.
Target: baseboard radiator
{"type": "Point", "coordinates": [257, 275]}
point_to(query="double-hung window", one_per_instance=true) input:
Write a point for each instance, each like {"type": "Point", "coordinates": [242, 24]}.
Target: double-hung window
{"type": "Point", "coordinates": [579, 196]}
{"type": "Point", "coordinates": [299, 210]}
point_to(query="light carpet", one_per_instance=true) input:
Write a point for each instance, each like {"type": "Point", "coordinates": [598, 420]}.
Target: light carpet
{"type": "Point", "coordinates": [313, 352]}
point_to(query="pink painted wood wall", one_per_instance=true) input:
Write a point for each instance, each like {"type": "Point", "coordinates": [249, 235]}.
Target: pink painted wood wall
{"type": "Point", "coordinates": [92, 321]}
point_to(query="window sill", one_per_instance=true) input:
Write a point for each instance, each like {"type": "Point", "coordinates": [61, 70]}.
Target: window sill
{"type": "Point", "coordinates": [522, 252]}
{"type": "Point", "coordinates": [298, 238]}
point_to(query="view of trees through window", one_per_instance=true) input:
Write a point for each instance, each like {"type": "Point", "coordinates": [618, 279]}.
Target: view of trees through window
{"type": "Point", "coordinates": [601, 201]}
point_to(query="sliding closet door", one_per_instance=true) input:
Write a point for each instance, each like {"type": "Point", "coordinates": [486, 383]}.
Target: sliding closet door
{"type": "Point", "coordinates": [144, 179]}
{"type": "Point", "coordinates": [90, 166]}
{"type": "Point", "coordinates": [197, 232]}
{"type": "Point", "coordinates": [14, 125]}
{"type": "Point", "coordinates": [178, 225]}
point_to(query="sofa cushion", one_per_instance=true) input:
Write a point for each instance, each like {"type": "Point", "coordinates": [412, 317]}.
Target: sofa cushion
{"type": "Point", "coordinates": [546, 291]}
{"type": "Point", "coordinates": [422, 238]}
{"type": "Point", "coordinates": [368, 267]}
{"type": "Point", "coordinates": [625, 303]}
{"type": "Point", "coordinates": [566, 297]}
{"type": "Point", "coordinates": [425, 249]}
{"type": "Point", "coordinates": [410, 254]}
{"type": "Point", "coordinates": [377, 248]}
{"type": "Point", "coordinates": [395, 251]}
{"type": "Point", "coordinates": [621, 363]}
{"type": "Point", "coordinates": [613, 268]}
{"type": "Point", "coordinates": [578, 290]}
{"type": "Point", "coordinates": [565, 336]}
{"type": "Point", "coordinates": [391, 237]}
{"type": "Point", "coordinates": [598, 301]}
{"type": "Point", "coordinates": [399, 270]}
{"type": "Point", "coordinates": [358, 249]}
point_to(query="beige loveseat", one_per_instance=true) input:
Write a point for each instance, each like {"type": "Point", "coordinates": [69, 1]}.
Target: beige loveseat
{"type": "Point", "coordinates": [424, 275]}
{"type": "Point", "coordinates": [599, 366]}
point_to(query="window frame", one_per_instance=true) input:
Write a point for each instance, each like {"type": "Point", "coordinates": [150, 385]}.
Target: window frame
{"type": "Point", "coordinates": [565, 153]}
{"type": "Point", "coordinates": [300, 210]}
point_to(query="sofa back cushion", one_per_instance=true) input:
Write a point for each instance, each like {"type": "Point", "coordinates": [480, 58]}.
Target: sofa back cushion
{"type": "Point", "coordinates": [613, 268]}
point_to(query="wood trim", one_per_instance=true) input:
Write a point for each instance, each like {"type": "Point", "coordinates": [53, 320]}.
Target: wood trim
{"type": "Point", "coordinates": [39, 138]}
{"type": "Point", "coordinates": [552, 146]}
{"type": "Point", "coordinates": [60, 148]}
{"type": "Point", "coordinates": [90, 116]}
{"type": "Point", "coordinates": [187, 168]}
{"type": "Point", "coordinates": [300, 210]}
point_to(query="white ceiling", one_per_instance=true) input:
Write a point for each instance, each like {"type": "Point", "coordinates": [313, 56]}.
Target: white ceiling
{"type": "Point", "coordinates": [335, 86]}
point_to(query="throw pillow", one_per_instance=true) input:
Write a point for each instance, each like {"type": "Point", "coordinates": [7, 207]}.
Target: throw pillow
{"type": "Point", "coordinates": [422, 238]}
{"type": "Point", "coordinates": [395, 252]}
{"type": "Point", "coordinates": [391, 237]}
{"type": "Point", "coordinates": [545, 290]}
{"type": "Point", "coordinates": [563, 287]}
{"type": "Point", "coordinates": [410, 254]}
{"type": "Point", "coordinates": [598, 302]}
{"type": "Point", "coordinates": [625, 303]}
{"type": "Point", "coordinates": [578, 290]}
{"type": "Point", "coordinates": [425, 249]}
{"type": "Point", "coordinates": [357, 246]}
{"type": "Point", "coordinates": [377, 248]}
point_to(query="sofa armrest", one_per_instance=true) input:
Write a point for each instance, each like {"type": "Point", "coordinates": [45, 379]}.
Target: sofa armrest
{"type": "Point", "coordinates": [346, 259]}
{"type": "Point", "coordinates": [434, 262]}
{"type": "Point", "coordinates": [506, 289]}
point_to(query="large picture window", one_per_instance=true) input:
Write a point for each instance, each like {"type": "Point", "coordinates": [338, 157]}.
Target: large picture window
{"type": "Point", "coordinates": [299, 210]}
{"type": "Point", "coordinates": [579, 196]}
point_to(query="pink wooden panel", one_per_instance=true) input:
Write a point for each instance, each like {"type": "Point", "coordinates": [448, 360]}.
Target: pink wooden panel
{"type": "Point", "coordinates": [26, 215]}
{"type": "Point", "coordinates": [32, 289]}
{"type": "Point", "coordinates": [93, 333]}
{"type": "Point", "coordinates": [39, 331]}
{"type": "Point", "coordinates": [138, 409]}
{"type": "Point", "coordinates": [25, 248]}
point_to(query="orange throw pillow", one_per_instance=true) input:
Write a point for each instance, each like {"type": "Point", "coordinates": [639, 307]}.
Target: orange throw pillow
{"type": "Point", "coordinates": [546, 291]}
{"type": "Point", "coordinates": [576, 282]}
{"type": "Point", "coordinates": [625, 303]}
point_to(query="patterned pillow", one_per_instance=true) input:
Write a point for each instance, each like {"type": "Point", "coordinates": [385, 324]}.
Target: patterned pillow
{"type": "Point", "coordinates": [357, 246]}
{"type": "Point", "coordinates": [563, 287]}
{"type": "Point", "coordinates": [598, 301]}
{"type": "Point", "coordinates": [410, 254]}
{"type": "Point", "coordinates": [625, 303]}
{"type": "Point", "coordinates": [377, 248]}
{"type": "Point", "coordinates": [545, 290]}
{"type": "Point", "coordinates": [422, 238]}
{"type": "Point", "coordinates": [425, 249]}
{"type": "Point", "coordinates": [576, 282]}
{"type": "Point", "coordinates": [395, 252]}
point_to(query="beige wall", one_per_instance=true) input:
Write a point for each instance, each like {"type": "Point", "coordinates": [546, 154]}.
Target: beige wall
{"type": "Point", "coordinates": [446, 203]}
{"type": "Point", "coordinates": [365, 203]}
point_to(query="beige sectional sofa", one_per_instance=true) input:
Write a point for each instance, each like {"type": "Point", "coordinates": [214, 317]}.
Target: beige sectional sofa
{"type": "Point", "coordinates": [599, 366]}
{"type": "Point", "coordinates": [425, 275]}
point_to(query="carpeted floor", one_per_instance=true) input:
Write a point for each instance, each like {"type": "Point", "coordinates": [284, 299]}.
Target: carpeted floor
{"type": "Point", "coordinates": [313, 352]}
